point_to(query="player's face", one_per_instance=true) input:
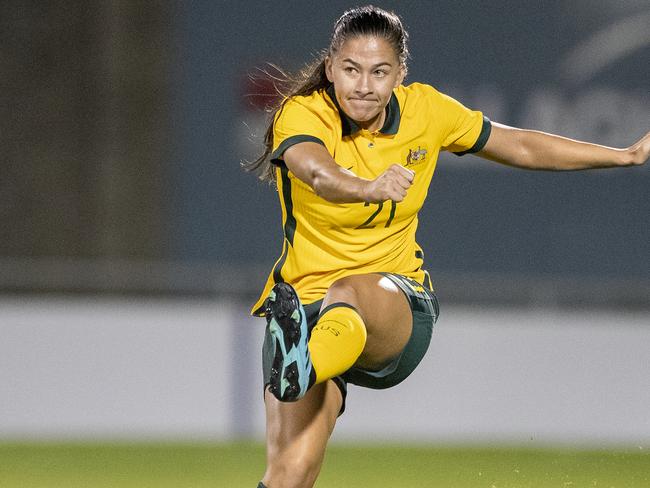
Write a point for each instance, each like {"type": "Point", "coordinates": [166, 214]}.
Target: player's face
{"type": "Point", "coordinates": [364, 71]}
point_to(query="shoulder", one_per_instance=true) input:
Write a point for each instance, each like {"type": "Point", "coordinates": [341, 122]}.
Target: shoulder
{"type": "Point", "coordinates": [417, 90]}
{"type": "Point", "coordinates": [312, 115]}
{"type": "Point", "coordinates": [317, 103]}
{"type": "Point", "coordinates": [416, 95]}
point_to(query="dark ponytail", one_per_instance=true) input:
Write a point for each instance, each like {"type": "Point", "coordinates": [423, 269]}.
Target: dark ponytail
{"type": "Point", "coordinates": [360, 21]}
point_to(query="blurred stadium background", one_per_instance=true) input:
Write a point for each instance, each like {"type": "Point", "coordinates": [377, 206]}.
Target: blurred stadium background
{"type": "Point", "coordinates": [132, 244]}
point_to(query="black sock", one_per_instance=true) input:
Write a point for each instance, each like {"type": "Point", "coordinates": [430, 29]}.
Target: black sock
{"type": "Point", "coordinates": [261, 485]}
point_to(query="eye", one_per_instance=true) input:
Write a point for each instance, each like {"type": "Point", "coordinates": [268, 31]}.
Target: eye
{"type": "Point", "coordinates": [349, 69]}
{"type": "Point", "coordinates": [380, 73]}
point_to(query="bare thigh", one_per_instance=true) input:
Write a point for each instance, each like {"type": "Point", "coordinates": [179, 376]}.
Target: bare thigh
{"type": "Point", "coordinates": [385, 311]}
{"type": "Point", "coordinates": [297, 434]}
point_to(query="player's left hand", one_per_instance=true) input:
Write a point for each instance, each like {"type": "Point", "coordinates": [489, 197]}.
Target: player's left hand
{"type": "Point", "coordinates": [639, 153]}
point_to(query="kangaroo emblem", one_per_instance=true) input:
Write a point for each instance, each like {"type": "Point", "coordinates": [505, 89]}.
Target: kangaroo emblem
{"type": "Point", "coordinates": [416, 156]}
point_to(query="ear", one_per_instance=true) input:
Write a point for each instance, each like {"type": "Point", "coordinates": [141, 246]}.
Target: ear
{"type": "Point", "coordinates": [328, 69]}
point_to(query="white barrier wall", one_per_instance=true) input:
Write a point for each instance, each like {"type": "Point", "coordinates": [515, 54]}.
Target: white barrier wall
{"type": "Point", "coordinates": [114, 368]}
{"type": "Point", "coordinates": [189, 369]}
{"type": "Point", "coordinates": [526, 377]}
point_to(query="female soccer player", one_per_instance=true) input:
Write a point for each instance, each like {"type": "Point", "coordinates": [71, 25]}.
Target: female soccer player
{"type": "Point", "coordinates": [353, 151]}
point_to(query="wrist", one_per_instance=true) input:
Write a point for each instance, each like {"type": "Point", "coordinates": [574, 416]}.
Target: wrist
{"type": "Point", "coordinates": [626, 157]}
{"type": "Point", "coordinates": [634, 156]}
{"type": "Point", "coordinates": [364, 190]}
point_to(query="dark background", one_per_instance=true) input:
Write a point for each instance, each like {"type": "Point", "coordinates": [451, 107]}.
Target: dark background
{"type": "Point", "coordinates": [124, 125]}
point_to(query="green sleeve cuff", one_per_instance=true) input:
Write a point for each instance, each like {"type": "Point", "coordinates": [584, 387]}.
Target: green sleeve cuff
{"type": "Point", "coordinates": [287, 143]}
{"type": "Point", "coordinates": [482, 138]}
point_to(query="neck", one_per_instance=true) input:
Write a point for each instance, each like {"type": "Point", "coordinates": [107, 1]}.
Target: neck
{"type": "Point", "coordinates": [374, 124]}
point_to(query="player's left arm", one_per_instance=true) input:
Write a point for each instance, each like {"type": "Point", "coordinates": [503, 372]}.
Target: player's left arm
{"type": "Point", "coordinates": [542, 151]}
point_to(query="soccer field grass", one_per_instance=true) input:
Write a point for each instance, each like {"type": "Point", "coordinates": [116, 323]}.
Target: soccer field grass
{"type": "Point", "coordinates": [241, 465]}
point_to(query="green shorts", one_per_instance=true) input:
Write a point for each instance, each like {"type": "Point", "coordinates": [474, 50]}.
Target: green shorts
{"type": "Point", "coordinates": [424, 310]}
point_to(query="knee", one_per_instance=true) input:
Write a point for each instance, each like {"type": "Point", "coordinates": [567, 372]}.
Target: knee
{"type": "Point", "coordinates": [343, 290]}
{"type": "Point", "coordinates": [290, 471]}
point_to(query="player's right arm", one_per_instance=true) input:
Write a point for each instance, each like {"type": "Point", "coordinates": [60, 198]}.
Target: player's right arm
{"type": "Point", "coordinates": [312, 164]}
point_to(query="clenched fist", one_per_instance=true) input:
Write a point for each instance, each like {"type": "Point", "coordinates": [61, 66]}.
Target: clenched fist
{"type": "Point", "coordinates": [390, 185]}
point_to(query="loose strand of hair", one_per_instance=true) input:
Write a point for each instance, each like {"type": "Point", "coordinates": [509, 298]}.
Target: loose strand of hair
{"type": "Point", "coordinates": [309, 79]}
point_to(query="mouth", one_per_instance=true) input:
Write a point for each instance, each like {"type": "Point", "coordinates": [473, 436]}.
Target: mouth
{"type": "Point", "coordinates": [363, 100]}
{"type": "Point", "coordinates": [362, 104]}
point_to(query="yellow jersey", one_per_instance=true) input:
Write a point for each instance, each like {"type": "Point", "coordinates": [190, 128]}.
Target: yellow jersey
{"type": "Point", "coordinates": [326, 241]}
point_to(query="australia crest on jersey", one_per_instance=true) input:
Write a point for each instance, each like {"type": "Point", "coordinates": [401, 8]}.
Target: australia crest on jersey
{"type": "Point", "coordinates": [416, 156]}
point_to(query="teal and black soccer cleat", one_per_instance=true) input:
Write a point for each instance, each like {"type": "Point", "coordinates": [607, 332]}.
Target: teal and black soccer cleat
{"type": "Point", "coordinates": [286, 356]}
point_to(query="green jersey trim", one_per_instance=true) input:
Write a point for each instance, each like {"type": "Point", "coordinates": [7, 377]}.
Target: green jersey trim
{"type": "Point", "coordinates": [289, 224]}
{"type": "Point", "coordinates": [349, 126]}
{"type": "Point", "coordinates": [291, 141]}
{"type": "Point", "coordinates": [482, 138]}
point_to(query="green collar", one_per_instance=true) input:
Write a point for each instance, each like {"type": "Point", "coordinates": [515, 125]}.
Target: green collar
{"type": "Point", "coordinates": [349, 126]}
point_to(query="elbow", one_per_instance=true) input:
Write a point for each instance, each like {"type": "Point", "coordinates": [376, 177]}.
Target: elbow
{"type": "Point", "coordinates": [322, 187]}
{"type": "Point", "coordinates": [511, 146]}
{"type": "Point", "coordinates": [333, 190]}
{"type": "Point", "coordinates": [517, 156]}
{"type": "Point", "coordinates": [527, 159]}
{"type": "Point", "coordinates": [320, 190]}
{"type": "Point", "coordinates": [523, 155]}
{"type": "Point", "coordinates": [318, 184]}
{"type": "Point", "coordinates": [531, 153]}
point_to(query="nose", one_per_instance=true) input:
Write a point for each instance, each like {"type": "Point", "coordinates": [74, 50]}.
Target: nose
{"type": "Point", "coordinates": [364, 84]}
